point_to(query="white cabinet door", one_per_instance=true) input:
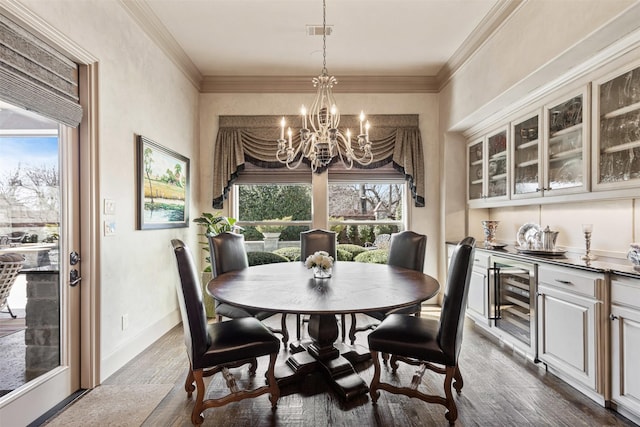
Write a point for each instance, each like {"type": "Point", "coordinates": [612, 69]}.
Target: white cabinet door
{"type": "Point", "coordinates": [566, 334]}
{"type": "Point", "coordinates": [477, 301]}
{"type": "Point", "coordinates": [625, 369]}
{"type": "Point", "coordinates": [625, 345]}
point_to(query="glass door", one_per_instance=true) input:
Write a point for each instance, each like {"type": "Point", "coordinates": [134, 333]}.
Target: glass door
{"type": "Point", "coordinates": [39, 217]}
{"type": "Point", "coordinates": [475, 170]}
{"type": "Point", "coordinates": [566, 148]}
{"type": "Point", "coordinates": [617, 146]}
{"type": "Point", "coordinates": [526, 155]}
{"type": "Point", "coordinates": [497, 165]}
{"type": "Point", "coordinates": [514, 301]}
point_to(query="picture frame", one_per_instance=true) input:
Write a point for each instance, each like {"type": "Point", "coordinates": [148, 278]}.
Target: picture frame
{"type": "Point", "coordinates": [163, 186]}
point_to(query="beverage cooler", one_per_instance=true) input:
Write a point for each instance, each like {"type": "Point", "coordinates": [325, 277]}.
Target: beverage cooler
{"type": "Point", "coordinates": [512, 287]}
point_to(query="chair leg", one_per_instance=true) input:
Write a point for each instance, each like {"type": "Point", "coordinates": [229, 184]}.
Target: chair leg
{"type": "Point", "coordinates": [285, 332]}
{"type": "Point", "coordinates": [274, 390]}
{"type": "Point", "coordinates": [452, 410]}
{"type": "Point", "coordinates": [375, 382]}
{"type": "Point", "coordinates": [13, 316]}
{"type": "Point", "coordinates": [298, 327]}
{"type": "Point", "coordinates": [196, 414]}
{"type": "Point", "coordinates": [343, 326]}
{"type": "Point", "coordinates": [458, 384]}
{"type": "Point", "coordinates": [352, 329]}
{"type": "Point", "coordinates": [188, 383]}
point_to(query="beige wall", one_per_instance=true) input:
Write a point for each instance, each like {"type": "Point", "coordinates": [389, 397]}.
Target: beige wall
{"type": "Point", "coordinates": [543, 47]}
{"type": "Point", "coordinates": [423, 220]}
{"type": "Point", "coordinates": [140, 92]}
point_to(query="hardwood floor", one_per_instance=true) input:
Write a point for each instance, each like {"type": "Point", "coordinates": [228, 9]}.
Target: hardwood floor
{"type": "Point", "coordinates": [500, 389]}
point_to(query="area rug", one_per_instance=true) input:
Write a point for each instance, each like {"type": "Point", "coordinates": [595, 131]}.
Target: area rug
{"type": "Point", "coordinates": [12, 365]}
{"type": "Point", "coordinates": [113, 406]}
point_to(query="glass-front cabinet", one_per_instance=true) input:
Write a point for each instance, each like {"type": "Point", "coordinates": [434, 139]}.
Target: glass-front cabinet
{"type": "Point", "coordinates": [487, 166]}
{"type": "Point", "coordinates": [497, 165]}
{"type": "Point", "coordinates": [616, 160]}
{"type": "Point", "coordinates": [565, 157]}
{"type": "Point", "coordinates": [475, 170]}
{"type": "Point", "coordinates": [526, 155]}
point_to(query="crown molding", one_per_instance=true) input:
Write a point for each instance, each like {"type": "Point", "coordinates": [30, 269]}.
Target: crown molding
{"type": "Point", "coordinates": [149, 22]}
{"type": "Point", "coordinates": [491, 23]}
{"type": "Point", "coordinates": [297, 84]}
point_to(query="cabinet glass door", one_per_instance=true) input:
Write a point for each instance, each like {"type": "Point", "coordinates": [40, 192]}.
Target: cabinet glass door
{"type": "Point", "coordinates": [526, 158]}
{"type": "Point", "coordinates": [618, 136]}
{"type": "Point", "coordinates": [475, 168]}
{"type": "Point", "coordinates": [497, 164]}
{"type": "Point", "coordinates": [565, 155]}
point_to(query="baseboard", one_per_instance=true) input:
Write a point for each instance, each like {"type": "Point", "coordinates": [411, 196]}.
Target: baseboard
{"type": "Point", "coordinates": [135, 345]}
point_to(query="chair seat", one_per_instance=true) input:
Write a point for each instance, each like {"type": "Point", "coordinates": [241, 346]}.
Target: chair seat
{"type": "Point", "coordinates": [409, 336]}
{"type": "Point", "coordinates": [237, 339]}
{"type": "Point", "coordinates": [233, 312]}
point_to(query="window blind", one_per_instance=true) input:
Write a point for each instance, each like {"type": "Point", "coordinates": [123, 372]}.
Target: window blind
{"type": "Point", "coordinates": [36, 77]}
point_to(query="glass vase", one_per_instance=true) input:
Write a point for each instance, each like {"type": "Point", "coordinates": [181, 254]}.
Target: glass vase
{"type": "Point", "coordinates": [321, 273]}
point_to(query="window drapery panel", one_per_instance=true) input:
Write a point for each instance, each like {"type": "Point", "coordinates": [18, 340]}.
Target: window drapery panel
{"type": "Point", "coordinates": [35, 76]}
{"type": "Point", "coordinates": [252, 139]}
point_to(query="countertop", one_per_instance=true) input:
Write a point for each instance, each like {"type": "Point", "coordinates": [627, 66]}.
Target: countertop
{"type": "Point", "coordinates": [596, 266]}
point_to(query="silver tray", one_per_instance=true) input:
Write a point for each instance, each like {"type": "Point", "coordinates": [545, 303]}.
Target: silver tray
{"type": "Point", "coordinates": [555, 252]}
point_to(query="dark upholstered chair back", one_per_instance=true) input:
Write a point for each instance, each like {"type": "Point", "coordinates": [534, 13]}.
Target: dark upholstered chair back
{"type": "Point", "coordinates": [194, 318]}
{"type": "Point", "coordinates": [227, 253]}
{"type": "Point", "coordinates": [317, 240]}
{"type": "Point", "coordinates": [454, 302]}
{"type": "Point", "coordinates": [407, 249]}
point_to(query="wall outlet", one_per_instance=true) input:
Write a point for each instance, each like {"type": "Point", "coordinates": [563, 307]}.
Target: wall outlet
{"type": "Point", "coordinates": [125, 322]}
{"type": "Point", "coordinates": [109, 228]}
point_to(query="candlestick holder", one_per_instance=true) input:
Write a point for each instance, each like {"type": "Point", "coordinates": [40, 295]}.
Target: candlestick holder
{"type": "Point", "coordinates": [587, 229]}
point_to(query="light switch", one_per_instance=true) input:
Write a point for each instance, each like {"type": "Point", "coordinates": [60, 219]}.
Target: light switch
{"type": "Point", "coordinates": [109, 207]}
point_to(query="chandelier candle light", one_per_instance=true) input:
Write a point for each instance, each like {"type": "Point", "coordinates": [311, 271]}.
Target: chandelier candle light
{"type": "Point", "coordinates": [321, 141]}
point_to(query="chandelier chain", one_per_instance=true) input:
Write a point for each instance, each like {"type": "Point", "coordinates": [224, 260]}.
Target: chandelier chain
{"type": "Point", "coordinates": [324, 38]}
{"type": "Point", "coordinates": [321, 141]}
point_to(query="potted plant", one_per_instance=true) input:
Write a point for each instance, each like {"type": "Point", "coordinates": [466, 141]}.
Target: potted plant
{"type": "Point", "coordinates": [213, 223]}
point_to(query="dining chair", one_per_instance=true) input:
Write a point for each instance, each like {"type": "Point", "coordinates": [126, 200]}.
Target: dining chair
{"type": "Point", "coordinates": [216, 347]}
{"type": "Point", "coordinates": [10, 266]}
{"type": "Point", "coordinates": [228, 253]}
{"type": "Point", "coordinates": [406, 249]}
{"type": "Point", "coordinates": [432, 344]}
{"type": "Point", "coordinates": [312, 241]}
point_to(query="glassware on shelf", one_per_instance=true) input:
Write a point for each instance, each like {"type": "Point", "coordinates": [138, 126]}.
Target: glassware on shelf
{"type": "Point", "coordinates": [587, 229]}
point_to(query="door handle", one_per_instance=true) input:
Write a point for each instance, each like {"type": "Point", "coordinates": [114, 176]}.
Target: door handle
{"type": "Point", "coordinates": [74, 278]}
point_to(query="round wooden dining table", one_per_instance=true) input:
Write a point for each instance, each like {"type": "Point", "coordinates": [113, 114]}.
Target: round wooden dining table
{"type": "Point", "coordinates": [353, 287]}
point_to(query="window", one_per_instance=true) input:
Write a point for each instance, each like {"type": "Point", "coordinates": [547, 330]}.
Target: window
{"type": "Point", "coordinates": [361, 211]}
{"type": "Point", "coordinates": [273, 214]}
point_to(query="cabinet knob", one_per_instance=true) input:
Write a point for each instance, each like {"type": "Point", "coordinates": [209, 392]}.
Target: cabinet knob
{"type": "Point", "coordinates": [538, 190]}
{"type": "Point", "coordinates": [612, 317]}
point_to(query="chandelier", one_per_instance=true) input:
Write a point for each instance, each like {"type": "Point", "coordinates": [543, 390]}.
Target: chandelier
{"type": "Point", "coordinates": [320, 138]}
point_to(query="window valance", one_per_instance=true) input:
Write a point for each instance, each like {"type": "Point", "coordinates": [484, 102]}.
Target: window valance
{"type": "Point", "coordinates": [252, 139]}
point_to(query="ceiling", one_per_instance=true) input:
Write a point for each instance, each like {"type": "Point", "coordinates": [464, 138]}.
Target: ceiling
{"type": "Point", "coordinates": [268, 38]}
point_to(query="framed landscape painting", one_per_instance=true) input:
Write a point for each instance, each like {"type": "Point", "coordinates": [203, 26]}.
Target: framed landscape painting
{"type": "Point", "coordinates": [163, 186]}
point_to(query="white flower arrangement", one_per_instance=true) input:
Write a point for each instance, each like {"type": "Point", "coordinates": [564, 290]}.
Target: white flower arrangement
{"type": "Point", "coordinates": [320, 259]}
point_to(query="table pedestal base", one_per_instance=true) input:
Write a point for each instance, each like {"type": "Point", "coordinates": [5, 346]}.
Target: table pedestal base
{"type": "Point", "coordinates": [322, 354]}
